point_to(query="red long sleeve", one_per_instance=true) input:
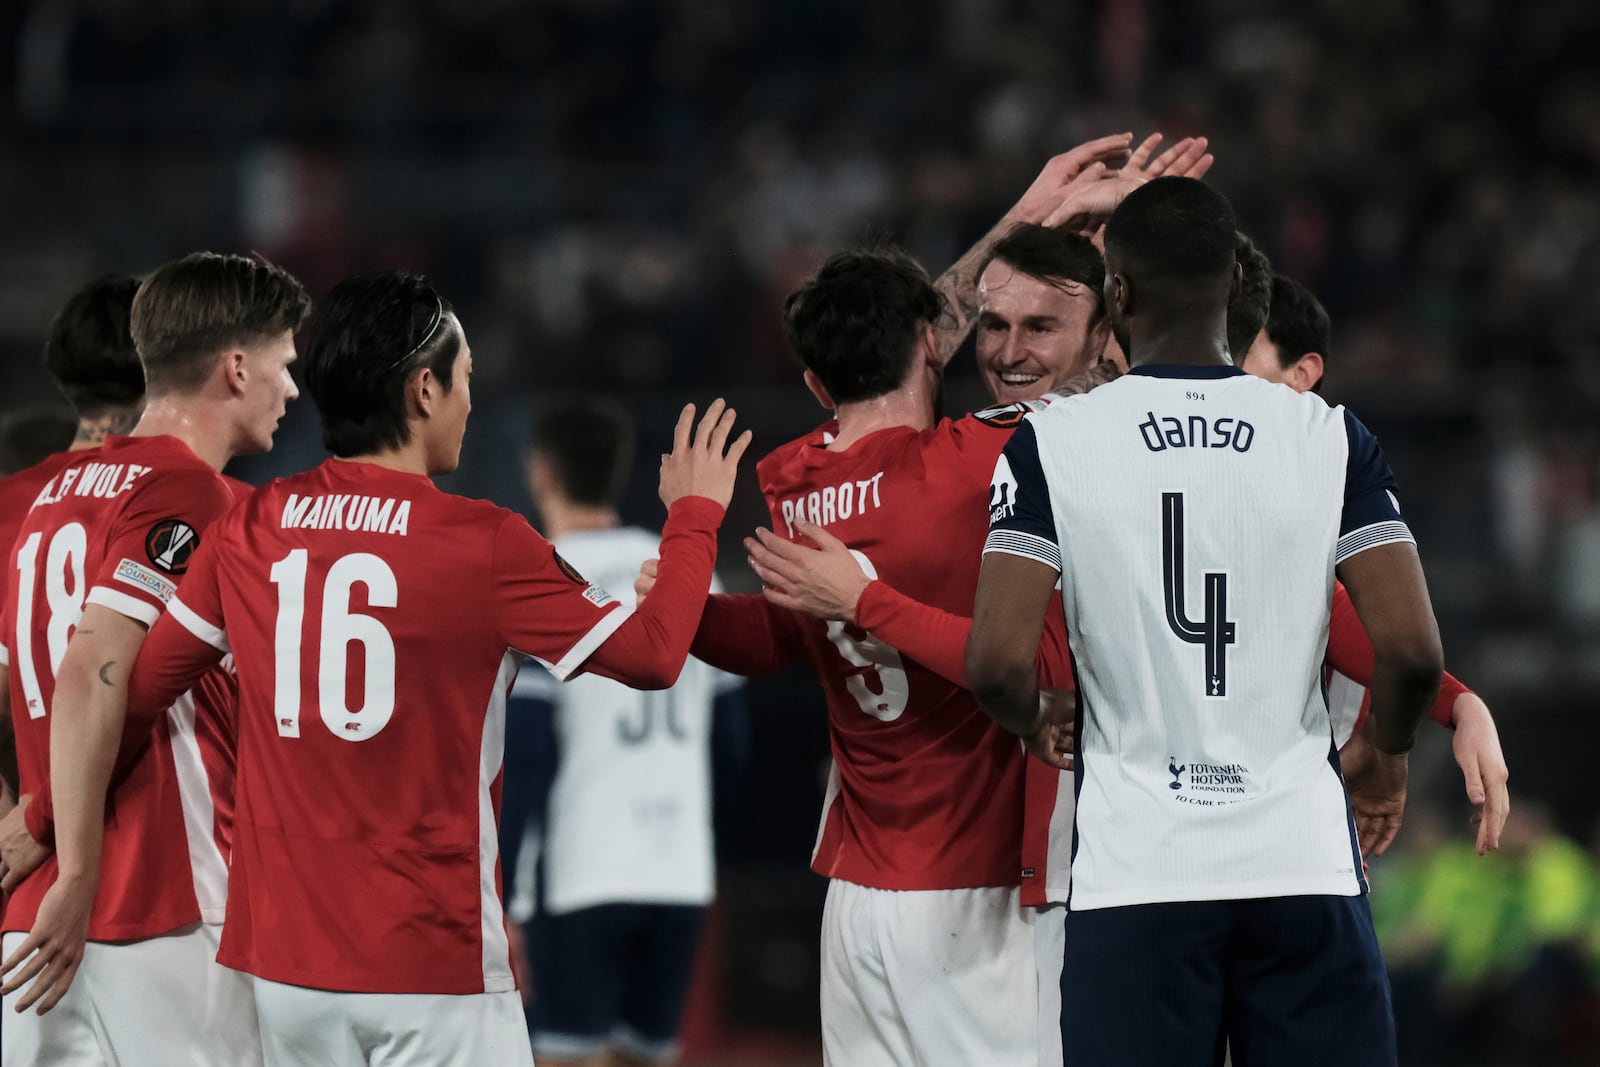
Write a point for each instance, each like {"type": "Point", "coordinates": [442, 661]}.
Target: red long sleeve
{"type": "Point", "coordinates": [648, 650]}
{"type": "Point", "coordinates": [1350, 653]}
{"type": "Point", "coordinates": [743, 634]}
{"type": "Point", "coordinates": [937, 639]}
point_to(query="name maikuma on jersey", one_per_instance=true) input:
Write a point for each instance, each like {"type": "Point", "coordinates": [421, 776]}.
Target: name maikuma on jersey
{"type": "Point", "coordinates": [102, 480]}
{"type": "Point", "coordinates": [826, 506]}
{"type": "Point", "coordinates": [344, 511]}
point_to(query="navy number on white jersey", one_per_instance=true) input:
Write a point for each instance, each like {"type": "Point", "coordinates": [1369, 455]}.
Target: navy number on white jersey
{"type": "Point", "coordinates": [1213, 630]}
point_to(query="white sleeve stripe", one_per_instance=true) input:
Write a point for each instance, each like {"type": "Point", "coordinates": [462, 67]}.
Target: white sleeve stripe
{"type": "Point", "coordinates": [1030, 546]}
{"type": "Point", "coordinates": [123, 604]}
{"type": "Point", "coordinates": [590, 641]}
{"type": "Point", "coordinates": [214, 636]}
{"type": "Point", "coordinates": [1379, 533]}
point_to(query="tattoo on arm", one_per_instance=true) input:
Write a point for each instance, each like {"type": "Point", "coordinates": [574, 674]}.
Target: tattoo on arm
{"type": "Point", "coordinates": [959, 288]}
{"type": "Point", "coordinates": [1099, 374]}
{"type": "Point", "coordinates": [104, 667]}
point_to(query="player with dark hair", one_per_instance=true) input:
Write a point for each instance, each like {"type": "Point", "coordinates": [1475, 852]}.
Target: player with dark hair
{"type": "Point", "coordinates": [926, 955]}
{"type": "Point", "coordinates": [1247, 312]}
{"type": "Point", "coordinates": [611, 933]}
{"type": "Point", "coordinates": [1217, 887]}
{"type": "Point", "coordinates": [142, 875]}
{"type": "Point", "coordinates": [1041, 321]}
{"type": "Point", "coordinates": [377, 624]}
{"type": "Point", "coordinates": [30, 435]}
{"type": "Point", "coordinates": [1295, 341]}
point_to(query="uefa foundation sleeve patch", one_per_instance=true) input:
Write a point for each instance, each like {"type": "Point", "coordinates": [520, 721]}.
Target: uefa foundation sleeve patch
{"type": "Point", "coordinates": [136, 574]}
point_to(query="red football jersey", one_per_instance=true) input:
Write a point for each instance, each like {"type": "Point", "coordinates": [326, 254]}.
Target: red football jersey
{"type": "Point", "coordinates": [926, 790]}
{"type": "Point", "coordinates": [371, 617]}
{"type": "Point", "coordinates": [116, 526]}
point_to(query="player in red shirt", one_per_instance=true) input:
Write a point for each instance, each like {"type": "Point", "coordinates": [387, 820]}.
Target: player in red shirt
{"type": "Point", "coordinates": [377, 623]}
{"type": "Point", "coordinates": [104, 546]}
{"type": "Point", "coordinates": [90, 356]}
{"type": "Point", "coordinates": [926, 955]}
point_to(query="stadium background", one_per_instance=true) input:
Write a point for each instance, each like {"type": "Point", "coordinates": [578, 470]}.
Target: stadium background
{"type": "Point", "coordinates": [617, 193]}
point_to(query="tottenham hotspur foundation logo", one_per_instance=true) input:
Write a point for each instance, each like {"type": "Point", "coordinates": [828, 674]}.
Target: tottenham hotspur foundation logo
{"type": "Point", "coordinates": [170, 543]}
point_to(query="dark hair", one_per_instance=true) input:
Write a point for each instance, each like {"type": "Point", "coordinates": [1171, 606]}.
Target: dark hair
{"type": "Point", "coordinates": [590, 445]}
{"type": "Point", "coordinates": [1298, 324]}
{"type": "Point", "coordinates": [29, 434]}
{"type": "Point", "coordinates": [1173, 229]}
{"type": "Point", "coordinates": [362, 343]}
{"type": "Point", "coordinates": [855, 325]}
{"type": "Point", "coordinates": [89, 351]}
{"type": "Point", "coordinates": [1052, 255]}
{"type": "Point", "coordinates": [1248, 313]}
{"type": "Point", "coordinates": [189, 311]}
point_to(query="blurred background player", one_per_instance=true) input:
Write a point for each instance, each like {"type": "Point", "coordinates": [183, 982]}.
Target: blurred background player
{"type": "Point", "coordinates": [606, 822]}
{"type": "Point", "coordinates": [31, 434]}
{"type": "Point", "coordinates": [378, 623]}
{"type": "Point", "coordinates": [90, 356]}
{"type": "Point", "coordinates": [98, 557]}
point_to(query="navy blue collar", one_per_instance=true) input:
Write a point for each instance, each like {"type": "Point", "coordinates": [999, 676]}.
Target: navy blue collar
{"type": "Point", "coordinates": [1180, 370]}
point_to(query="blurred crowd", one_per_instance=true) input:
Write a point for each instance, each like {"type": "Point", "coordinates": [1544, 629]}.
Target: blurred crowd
{"type": "Point", "coordinates": [617, 194]}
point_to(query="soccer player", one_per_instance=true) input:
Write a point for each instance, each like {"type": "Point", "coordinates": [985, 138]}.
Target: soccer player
{"type": "Point", "coordinates": [1217, 890]}
{"type": "Point", "coordinates": [377, 624]}
{"type": "Point", "coordinates": [107, 540]}
{"type": "Point", "coordinates": [926, 955]}
{"type": "Point", "coordinates": [616, 929]}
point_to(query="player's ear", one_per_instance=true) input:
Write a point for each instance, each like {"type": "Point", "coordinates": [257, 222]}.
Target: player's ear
{"type": "Point", "coordinates": [1236, 284]}
{"type": "Point", "coordinates": [1119, 290]}
{"type": "Point", "coordinates": [929, 347]}
{"type": "Point", "coordinates": [421, 392]}
{"type": "Point", "coordinates": [235, 374]}
{"type": "Point", "coordinates": [820, 391]}
{"type": "Point", "coordinates": [1306, 372]}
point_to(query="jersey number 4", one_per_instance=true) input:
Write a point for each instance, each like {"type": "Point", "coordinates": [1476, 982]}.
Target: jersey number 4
{"type": "Point", "coordinates": [340, 628]}
{"type": "Point", "coordinates": [1213, 630]}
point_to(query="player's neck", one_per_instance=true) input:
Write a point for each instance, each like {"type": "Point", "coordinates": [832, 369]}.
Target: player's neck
{"type": "Point", "coordinates": [1183, 341]}
{"type": "Point", "coordinates": [861, 418]}
{"type": "Point", "coordinates": [93, 430]}
{"type": "Point", "coordinates": [409, 458]}
{"type": "Point", "coordinates": [194, 422]}
{"type": "Point", "coordinates": [559, 517]}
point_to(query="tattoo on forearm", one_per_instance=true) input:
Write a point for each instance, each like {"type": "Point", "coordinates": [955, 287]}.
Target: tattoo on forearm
{"type": "Point", "coordinates": [105, 667]}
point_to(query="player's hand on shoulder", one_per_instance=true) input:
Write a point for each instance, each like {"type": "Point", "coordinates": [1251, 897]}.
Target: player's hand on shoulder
{"type": "Point", "coordinates": [1476, 746]}
{"type": "Point", "coordinates": [702, 462]}
{"type": "Point", "coordinates": [1376, 782]}
{"type": "Point", "coordinates": [1053, 743]}
{"type": "Point", "coordinates": [824, 582]}
{"type": "Point", "coordinates": [646, 580]}
{"type": "Point", "coordinates": [20, 854]}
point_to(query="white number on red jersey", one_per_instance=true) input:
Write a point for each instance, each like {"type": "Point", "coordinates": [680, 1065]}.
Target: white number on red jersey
{"type": "Point", "coordinates": [63, 594]}
{"type": "Point", "coordinates": [881, 660]}
{"type": "Point", "coordinates": [340, 627]}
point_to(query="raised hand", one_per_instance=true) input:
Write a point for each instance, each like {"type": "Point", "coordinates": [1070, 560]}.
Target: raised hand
{"type": "Point", "coordinates": [701, 462]}
{"type": "Point", "coordinates": [825, 582]}
{"type": "Point", "coordinates": [1044, 196]}
{"type": "Point", "coordinates": [1186, 158]}
{"type": "Point", "coordinates": [1088, 201]}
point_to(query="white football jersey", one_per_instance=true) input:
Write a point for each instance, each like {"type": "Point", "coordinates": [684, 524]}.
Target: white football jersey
{"type": "Point", "coordinates": [1196, 515]}
{"type": "Point", "coordinates": [629, 816]}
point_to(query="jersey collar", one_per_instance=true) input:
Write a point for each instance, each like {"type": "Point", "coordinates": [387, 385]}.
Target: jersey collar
{"type": "Point", "coordinates": [1177, 370]}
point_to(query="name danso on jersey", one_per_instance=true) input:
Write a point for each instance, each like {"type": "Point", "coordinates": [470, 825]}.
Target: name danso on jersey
{"type": "Point", "coordinates": [340, 628]}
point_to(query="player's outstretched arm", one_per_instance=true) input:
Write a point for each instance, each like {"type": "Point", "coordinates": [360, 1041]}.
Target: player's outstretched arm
{"type": "Point", "coordinates": [86, 719]}
{"type": "Point", "coordinates": [1390, 595]}
{"type": "Point", "coordinates": [1007, 621]}
{"type": "Point", "coordinates": [649, 649]}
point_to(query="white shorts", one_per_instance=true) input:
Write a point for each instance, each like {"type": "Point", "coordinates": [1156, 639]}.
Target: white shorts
{"type": "Point", "coordinates": [303, 1027]}
{"type": "Point", "coordinates": [163, 1001]}
{"type": "Point", "coordinates": [931, 977]}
